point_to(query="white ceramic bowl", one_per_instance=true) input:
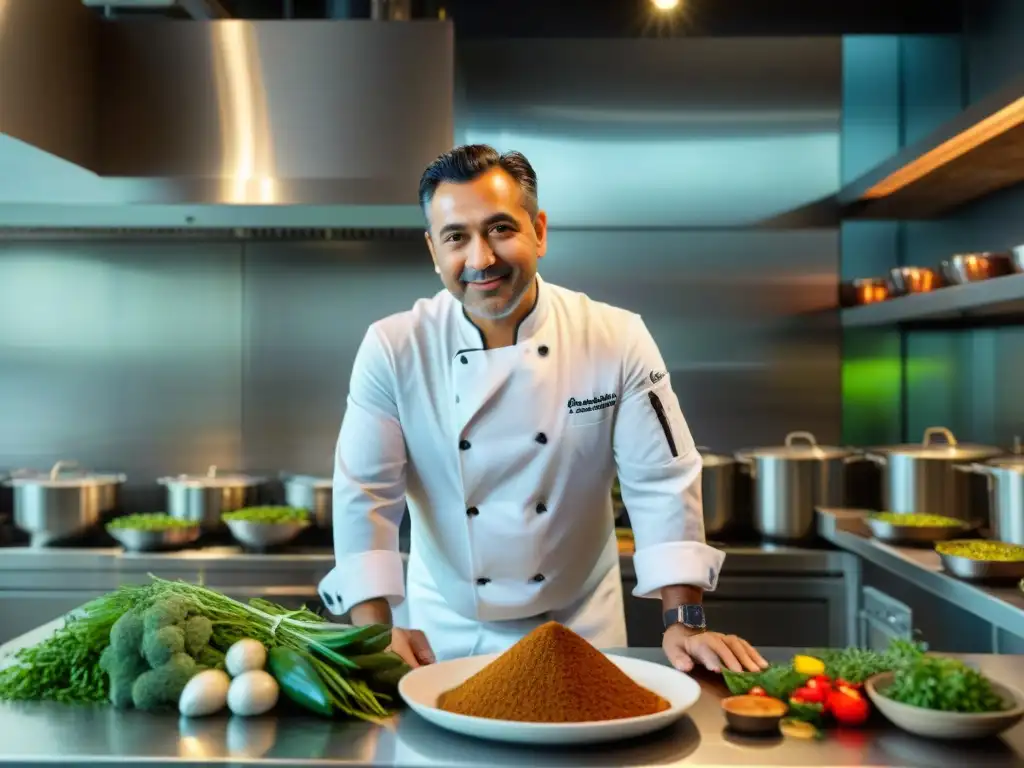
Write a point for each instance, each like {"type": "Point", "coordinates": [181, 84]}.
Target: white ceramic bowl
{"type": "Point", "coordinates": [934, 724]}
{"type": "Point", "coordinates": [421, 688]}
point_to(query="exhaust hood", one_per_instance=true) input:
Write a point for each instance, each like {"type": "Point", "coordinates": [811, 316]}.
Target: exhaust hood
{"type": "Point", "coordinates": [213, 124]}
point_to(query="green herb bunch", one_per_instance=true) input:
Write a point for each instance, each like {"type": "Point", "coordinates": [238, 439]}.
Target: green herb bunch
{"type": "Point", "coordinates": [948, 685]}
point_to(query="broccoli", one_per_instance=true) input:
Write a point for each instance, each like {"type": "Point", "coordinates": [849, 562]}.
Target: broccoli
{"type": "Point", "coordinates": [161, 687]}
{"type": "Point", "coordinates": [210, 658]}
{"type": "Point", "coordinates": [159, 646]}
{"type": "Point", "coordinates": [126, 634]}
{"type": "Point", "coordinates": [198, 631]}
{"type": "Point", "coordinates": [121, 693]}
{"type": "Point", "coordinates": [166, 613]}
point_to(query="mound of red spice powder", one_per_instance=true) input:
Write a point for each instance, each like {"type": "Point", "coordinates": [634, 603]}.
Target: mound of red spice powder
{"type": "Point", "coordinates": [552, 676]}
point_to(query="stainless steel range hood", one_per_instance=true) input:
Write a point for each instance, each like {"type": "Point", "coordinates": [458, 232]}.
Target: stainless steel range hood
{"type": "Point", "coordinates": [217, 123]}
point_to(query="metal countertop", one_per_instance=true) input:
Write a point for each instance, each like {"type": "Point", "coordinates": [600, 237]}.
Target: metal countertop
{"type": "Point", "coordinates": [1001, 606]}
{"type": "Point", "coordinates": [36, 734]}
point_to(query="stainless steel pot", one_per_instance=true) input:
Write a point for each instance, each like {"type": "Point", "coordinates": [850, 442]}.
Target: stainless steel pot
{"type": "Point", "coordinates": [204, 498]}
{"type": "Point", "coordinates": [60, 504]}
{"type": "Point", "coordinates": [923, 478]}
{"type": "Point", "coordinates": [1005, 477]}
{"type": "Point", "coordinates": [718, 487]}
{"type": "Point", "coordinates": [315, 494]}
{"type": "Point", "coordinates": [792, 480]}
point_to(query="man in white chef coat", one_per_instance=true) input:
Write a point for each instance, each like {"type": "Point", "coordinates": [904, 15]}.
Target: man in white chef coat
{"type": "Point", "coordinates": [500, 410]}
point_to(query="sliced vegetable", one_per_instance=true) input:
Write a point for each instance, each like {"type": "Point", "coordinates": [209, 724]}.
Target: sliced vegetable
{"type": "Point", "coordinates": [808, 665]}
{"type": "Point", "coordinates": [848, 706]}
{"type": "Point", "coordinates": [799, 729]}
{"type": "Point", "coordinates": [299, 681]}
{"type": "Point", "coordinates": [809, 711]}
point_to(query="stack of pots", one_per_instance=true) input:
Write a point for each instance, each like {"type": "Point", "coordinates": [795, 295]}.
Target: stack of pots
{"type": "Point", "coordinates": [790, 481]}
{"type": "Point", "coordinates": [928, 478]}
{"type": "Point", "coordinates": [718, 486]}
{"type": "Point", "coordinates": [204, 498]}
{"type": "Point", "coordinates": [64, 502]}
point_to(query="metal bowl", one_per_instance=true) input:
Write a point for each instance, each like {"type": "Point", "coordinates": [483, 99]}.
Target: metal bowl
{"type": "Point", "coordinates": [982, 570]}
{"type": "Point", "coordinates": [264, 535]}
{"type": "Point", "coordinates": [972, 267]}
{"type": "Point", "coordinates": [891, 533]}
{"type": "Point", "coordinates": [136, 540]}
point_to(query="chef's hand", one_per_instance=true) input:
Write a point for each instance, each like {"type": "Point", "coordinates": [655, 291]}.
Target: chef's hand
{"type": "Point", "coordinates": [412, 646]}
{"type": "Point", "coordinates": [712, 649]}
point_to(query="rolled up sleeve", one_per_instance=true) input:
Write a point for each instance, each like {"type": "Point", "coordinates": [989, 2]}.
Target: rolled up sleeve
{"type": "Point", "coordinates": [369, 487]}
{"type": "Point", "coordinates": [659, 471]}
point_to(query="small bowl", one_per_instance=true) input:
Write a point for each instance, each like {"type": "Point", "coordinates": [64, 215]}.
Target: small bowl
{"type": "Point", "coordinates": [934, 724]}
{"type": "Point", "coordinates": [754, 714]}
{"type": "Point", "coordinates": [264, 535]}
{"type": "Point", "coordinates": [907, 280]}
{"type": "Point", "coordinates": [138, 540]}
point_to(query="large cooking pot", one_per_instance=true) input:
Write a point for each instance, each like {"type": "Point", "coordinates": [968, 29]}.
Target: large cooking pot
{"type": "Point", "coordinates": [791, 480]}
{"type": "Point", "coordinates": [1005, 496]}
{"type": "Point", "coordinates": [923, 477]}
{"type": "Point", "coordinates": [314, 494]}
{"type": "Point", "coordinates": [718, 487]}
{"type": "Point", "coordinates": [62, 503]}
{"type": "Point", "coordinates": [204, 498]}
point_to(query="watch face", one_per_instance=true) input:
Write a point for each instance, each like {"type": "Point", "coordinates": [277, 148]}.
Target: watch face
{"type": "Point", "coordinates": [688, 615]}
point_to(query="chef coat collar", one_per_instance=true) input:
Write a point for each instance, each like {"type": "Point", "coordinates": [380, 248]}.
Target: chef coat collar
{"type": "Point", "coordinates": [528, 324]}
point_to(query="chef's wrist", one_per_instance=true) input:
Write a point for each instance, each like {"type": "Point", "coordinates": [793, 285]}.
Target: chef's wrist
{"type": "Point", "coordinates": [375, 611]}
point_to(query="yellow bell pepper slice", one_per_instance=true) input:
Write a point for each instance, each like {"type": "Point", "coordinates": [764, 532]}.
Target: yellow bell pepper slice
{"type": "Point", "coordinates": [808, 665]}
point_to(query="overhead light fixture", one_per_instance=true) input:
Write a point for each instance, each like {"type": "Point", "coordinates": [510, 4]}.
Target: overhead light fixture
{"type": "Point", "coordinates": [666, 5]}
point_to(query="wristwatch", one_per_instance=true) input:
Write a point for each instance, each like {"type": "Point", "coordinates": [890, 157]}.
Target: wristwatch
{"type": "Point", "coordinates": [690, 616]}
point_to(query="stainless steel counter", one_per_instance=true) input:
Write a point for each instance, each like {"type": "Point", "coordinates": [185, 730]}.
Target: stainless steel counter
{"type": "Point", "coordinates": [100, 736]}
{"type": "Point", "coordinates": [1002, 607]}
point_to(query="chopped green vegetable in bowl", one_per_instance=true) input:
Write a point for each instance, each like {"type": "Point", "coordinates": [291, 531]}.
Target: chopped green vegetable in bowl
{"type": "Point", "coordinates": [947, 685]}
{"type": "Point", "coordinates": [267, 515]}
{"type": "Point", "coordinates": [151, 521]}
{"type": "Point", "coordinates": [918, 520]}
{"type": "Point", "coordinates": [987, 551]}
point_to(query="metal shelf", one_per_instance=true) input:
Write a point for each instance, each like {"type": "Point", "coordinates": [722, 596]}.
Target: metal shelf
{"type": "Point", "coordinates": [986, 301]}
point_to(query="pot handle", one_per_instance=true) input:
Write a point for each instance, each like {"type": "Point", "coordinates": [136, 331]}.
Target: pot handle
{"type": "Point", "coordinates": [55, 472]}
{"type": "Point", "coordinates": [876, 458]}
{"type": "Point", "coordinates": [806, 437]}
{"type": "Point", "coordinates": [934, 431]}
{"type": "Point", "coordinates": [744, 463]}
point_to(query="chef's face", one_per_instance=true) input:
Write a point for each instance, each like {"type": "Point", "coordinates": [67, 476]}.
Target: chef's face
{"type": "Point", "coordinates": [485, 243]}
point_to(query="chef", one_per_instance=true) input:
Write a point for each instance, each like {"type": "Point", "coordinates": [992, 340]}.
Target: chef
{"type": "Point", "coordinates": [500, 411]}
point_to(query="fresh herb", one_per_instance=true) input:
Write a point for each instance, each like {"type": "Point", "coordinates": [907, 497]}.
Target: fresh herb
{"type": "Point", "coordinates": [150, 521]}
{"type": "Point", "coordinates": [855, 665]}
{"type": "Point", "coordinates": [986, 551]}
{"type": "Point", "coordinates": [66, 666]}
{"type": "Point", "coordinates": [948, 685]}
{"type": "Point", "coordinates": [778, 681]}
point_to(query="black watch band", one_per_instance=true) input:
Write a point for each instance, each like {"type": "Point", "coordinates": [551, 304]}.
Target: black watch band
{"type": "Point", "coordinates": [690, 616]}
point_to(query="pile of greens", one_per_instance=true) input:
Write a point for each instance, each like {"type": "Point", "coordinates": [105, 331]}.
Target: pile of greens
{"type": "Point", "coordinates": [948, 685]}
{"type": "Point", "coordinates": [267, 515]}
{"type": "Point", "coordinates": [73, 665]}
{"type": "Point", "coordinates": [853, 665]}
{"type": "Point", "coordinates": [150, 521]}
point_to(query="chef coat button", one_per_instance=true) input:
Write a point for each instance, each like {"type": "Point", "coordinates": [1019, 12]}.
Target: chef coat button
{"type": "Point", "coordinates": [542, 508]}
{"type": "Point", "coordinates": [482, 581]}
{"type": "Point", "coordinates": [472, 511]}
{"type": "Point", "coordinates": [542, 350]}
{"type": "Point", "coordinates": [541, 438]}
{"type": "Point", "coordinates": [463, 445]}
{"type": "Point", "coordinates": [464, 360]}
{"type": "Point", "coordinates": [539, 577]}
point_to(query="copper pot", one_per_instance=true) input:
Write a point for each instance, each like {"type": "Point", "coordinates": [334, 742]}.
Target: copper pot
{"type": "Point", "coordinates": [972, 267]}
{"type": "Point", "coordinates": [906, 280]}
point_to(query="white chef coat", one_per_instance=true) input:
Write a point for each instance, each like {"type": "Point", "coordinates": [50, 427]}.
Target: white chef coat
{"type": "Point", "coordinates": [506, 459]}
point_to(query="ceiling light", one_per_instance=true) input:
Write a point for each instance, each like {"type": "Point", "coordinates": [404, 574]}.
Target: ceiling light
{"type": "Point", "coordinates": [666, 5]}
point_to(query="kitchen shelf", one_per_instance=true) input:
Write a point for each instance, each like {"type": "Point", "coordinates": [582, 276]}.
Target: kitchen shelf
{"type": "Point", "coordinates": [999, 297]}
{"type": "Point", "coordinates": [975, 154]}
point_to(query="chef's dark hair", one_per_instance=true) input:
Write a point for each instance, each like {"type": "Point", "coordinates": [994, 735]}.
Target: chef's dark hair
{"type": "Point", "coordinates": [470, 161]}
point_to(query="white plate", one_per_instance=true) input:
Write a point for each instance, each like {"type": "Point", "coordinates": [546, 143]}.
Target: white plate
{"type": "Point", "coordinates": [422, 687]}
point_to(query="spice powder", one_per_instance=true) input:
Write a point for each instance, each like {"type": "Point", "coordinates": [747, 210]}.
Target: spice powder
{"type": "Point", "coordinates": [552, 676]}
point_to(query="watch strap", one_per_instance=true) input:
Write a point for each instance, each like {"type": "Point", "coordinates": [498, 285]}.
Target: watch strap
{"type": "Point", "coordinates": [690, 616]}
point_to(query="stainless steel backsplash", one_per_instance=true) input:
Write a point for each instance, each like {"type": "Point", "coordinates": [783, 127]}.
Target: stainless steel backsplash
{"type": "Point", "coordinates": [155, 358]}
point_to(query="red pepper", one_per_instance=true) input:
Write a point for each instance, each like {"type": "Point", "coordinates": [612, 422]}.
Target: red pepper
{"type": "Point", "coordinates": [757, 690]}
{"type": "Point", "coordinates": [840, 683]}
{"type": "Point", "coordinates": [848, 706]}
{"type": "Point", "coordinates": [809, 695]}
{"type": "Point", "coordinates": [821, 682]}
